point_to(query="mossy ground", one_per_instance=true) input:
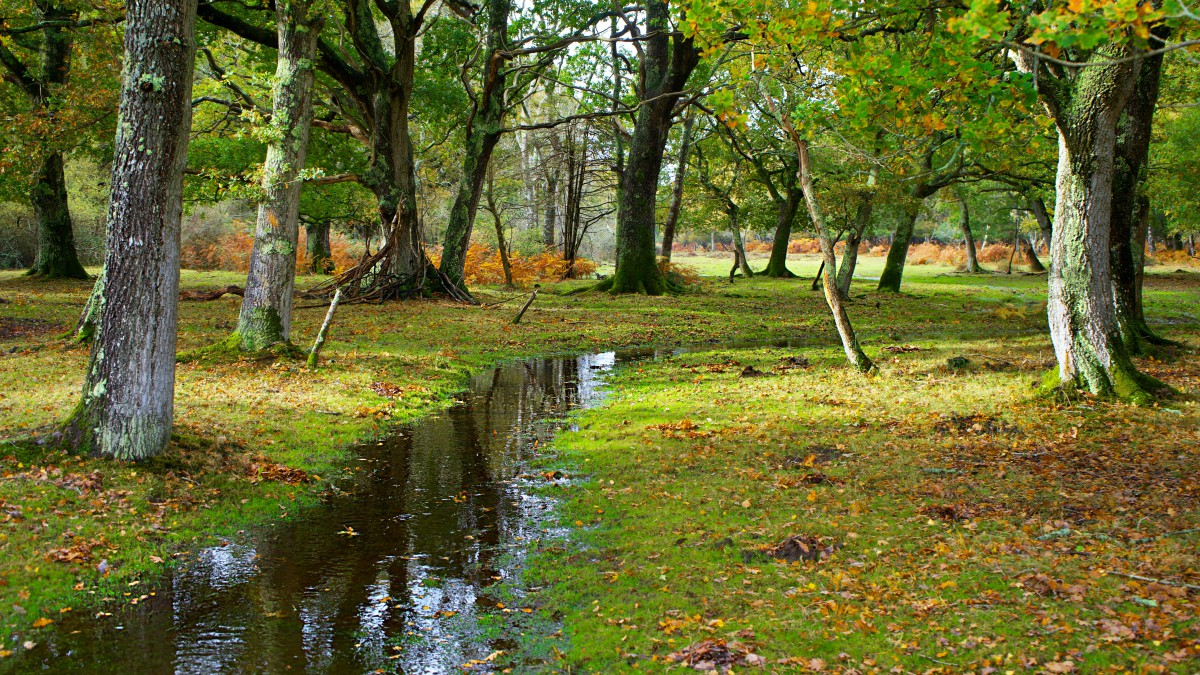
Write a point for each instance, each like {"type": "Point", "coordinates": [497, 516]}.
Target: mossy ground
{"type": "Point", "coordinates": [233, 418]}
{"type": "Point", "coordinates": [972, 524]}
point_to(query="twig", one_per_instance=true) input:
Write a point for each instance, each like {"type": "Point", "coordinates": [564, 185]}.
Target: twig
{"type": "Point", "coordinates": [1164, 582]}
{"type": "Point", "coordinates": [315, 353]}
{"type": "Point", "coordinates": [944, 663]}
{"type": "Point", "coordinates": [1164, 535]}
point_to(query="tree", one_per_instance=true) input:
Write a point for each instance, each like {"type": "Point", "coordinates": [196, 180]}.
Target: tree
{"type": "Point", "coordinates": [266, 315]}
{"type": "Point", "coordinates": [777, 168]}
{"type": "Point", "coordinates": [1085, 64]}
{"type": "Point", "coordinates": [723, 194]}
{"type": "Point", "coordinates": [964, 222]}
{"type": "Point", "coordinates": [1131, 204]}
{"type": "Point", "coordinates": [36, 57]}
{"type": "Point", "coordinates": [672, 221]}
{"type": "Point", "coordinates": [667, 61]}
{"type": "Point", "coordinates": [128, 392]}
{"type": "Point", "coordinates": [373, 87]}
{"type": "Point", "coordinates": [483, 130]}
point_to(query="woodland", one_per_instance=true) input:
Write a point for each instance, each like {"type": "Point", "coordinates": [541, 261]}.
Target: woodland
{"type": "Point", "coordinates": [559, 336]}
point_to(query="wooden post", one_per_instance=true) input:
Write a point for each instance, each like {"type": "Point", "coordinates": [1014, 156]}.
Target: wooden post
{"type": "Point", "coordinates": [315, 352]}
{"type": "Point", "coordinates": [532, 296]}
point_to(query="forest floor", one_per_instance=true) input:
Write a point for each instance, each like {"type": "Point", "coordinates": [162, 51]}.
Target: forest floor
{"type": "Point", "coordinates": [955, 517]}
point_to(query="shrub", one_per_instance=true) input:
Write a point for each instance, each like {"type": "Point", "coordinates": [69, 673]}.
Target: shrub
{"type": "Point", "coordinates": [230, 251]}
{"type": "Point", "coordinates": [483, 266]}
{"type": "Point", "coordinates": [995, 253]}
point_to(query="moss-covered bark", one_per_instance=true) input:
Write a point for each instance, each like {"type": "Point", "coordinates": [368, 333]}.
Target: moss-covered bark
{"type": "Point", "coordinates": [787, 205]}
{"type": "Point", "coordinates": [668, 62]}
{"type": "Point", "coordinates": [266, 315]}
{"type": "Point", "coordinates": [484, 127]}
{"type": "Point", "coordinates": [320, 252]}
{"type": "Point", "coordinates": [126, 408]}
{"type": "Point", "coordinates": [1130, 205]}
{"type": "Point", "coordinates": [893, 266]}
{"type": "Point", "coordinates": [56, 257]}
{"type": "Point", "coordinates": [1081, 307]}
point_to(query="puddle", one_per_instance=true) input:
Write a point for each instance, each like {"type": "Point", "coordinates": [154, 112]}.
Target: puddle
{"type": "Point", "coordinates": [401, 570]}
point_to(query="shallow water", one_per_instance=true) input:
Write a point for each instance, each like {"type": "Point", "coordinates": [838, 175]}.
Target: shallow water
{"type": "Point", "coordinates": [403, 569]}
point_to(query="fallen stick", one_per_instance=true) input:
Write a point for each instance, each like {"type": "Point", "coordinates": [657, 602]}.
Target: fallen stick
{"type": "Point", "coordinates": [315, 352]}
{"type": "Point", "coordinates": [1164, 582]}
{"type": "Point", "coordinates": [532, 296]}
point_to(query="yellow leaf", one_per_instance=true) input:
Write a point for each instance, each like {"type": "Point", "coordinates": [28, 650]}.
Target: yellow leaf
{"type": "Point", "coordinates": [42, 622]}
{"type": "Point", "coordinates": [812, 495]}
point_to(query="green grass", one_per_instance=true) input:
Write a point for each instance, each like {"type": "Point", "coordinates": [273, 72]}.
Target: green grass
{"type": "Point", "coordinates": [972, 524]}
{"type": "Point", "coordinates": [232, 415]}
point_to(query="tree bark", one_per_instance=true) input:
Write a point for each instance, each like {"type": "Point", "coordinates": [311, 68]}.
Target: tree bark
{"type": "Point", "coordinates": [1031, 257]}
{"type": "Point", "coordinates": [483, 133]}
{"type": "Point", "coordinates": [668, 236]}
{"type": "Point", "coordinates": [841, 318]}
{"type": "Point", "coordinates": [862, 218]}
{"type": "Point", "coordinates": [964, 222]}
{"type": "Point", "coordinates": [128, 393]}
{"type": "Point", "coordinates": [667, 63]}
{"type": "Point", "coordinates": [739, 248]}
{"type": "Point", "coordinates": [1127, 241]}
{"type": "Point", "coordinates": [1081, 308]}
{"type": "Point", "coordinates": [1038, 205]}
{"type": "Point", "coordinates": [893, 267]}
{"type": "Point", "coordinates": [501, 244]}
{"type": "Point", "coordinates": [320, 252]}
{"type": "Point", "coordinates": [56, 257]}
{"type": "Point", "coordinates": [786, 208]}
{"type": "Point", "coordinates": [266, 315]}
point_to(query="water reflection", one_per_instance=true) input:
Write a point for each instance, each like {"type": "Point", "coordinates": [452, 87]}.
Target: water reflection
{"type": "Point", "coordinates": [441, 512]}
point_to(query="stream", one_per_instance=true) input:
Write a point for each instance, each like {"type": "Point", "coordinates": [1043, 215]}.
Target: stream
{"type": "Point", "coordinates": [413, 563]}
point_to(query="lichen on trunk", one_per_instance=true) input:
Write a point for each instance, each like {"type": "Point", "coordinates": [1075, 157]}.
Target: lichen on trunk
{"type": "Point", "coordinates": [126, 408]}
{"type": "Point", "coordinates": [266, 314]}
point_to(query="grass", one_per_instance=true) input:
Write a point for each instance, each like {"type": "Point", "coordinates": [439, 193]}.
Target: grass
{"type": "Point", "coordinates": [238, 424]}
{"type": "Point", "coordinates": [958, 523]}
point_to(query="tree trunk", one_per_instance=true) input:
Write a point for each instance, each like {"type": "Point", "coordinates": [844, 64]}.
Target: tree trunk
{"type": "Point", "coordinates": [483, 133]}
{"type": "Point", "coordinates": [668, 237]}
{"type": "Point", "coordinates": [320, 252]}
{"type": "Point", "coordinates": [735, 227]}
{"type": "Point", "coordinates": [1081, 307]}
{"type": "Point", "coordinates": [128, 393]}
{"type": "Point", "coordinates": [501, 244]}
{"type": "Point", "coordinates": [1031, 257]}
{"type": "Point", "coordinates": [785, 215]}
{"type": "Point", "coordinates": [1038, 205]}
{"type": "Point", "coordinates": [266, 316]}
{"type": "Point", "coordinates": [893, 267]}
{"type": "Point", "coordinates": [549, 234]}
{"type": "Point", "coordinates": [667, 63]}
{"type": "Point", "coordinates": [56, 257]}
{"type": "Point", "coordinates": [1127, 241]}
{"type": "Point", "coordinates": [841, 318]}
{"type": "Point", "coordinates": [964, 222]}
{"type": "Point", "coordinates": [637, 269]}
